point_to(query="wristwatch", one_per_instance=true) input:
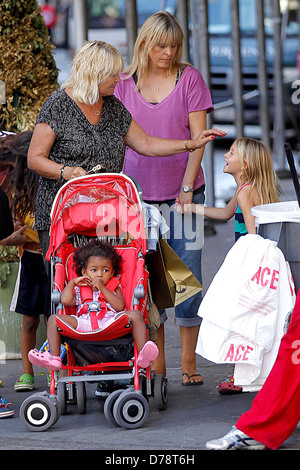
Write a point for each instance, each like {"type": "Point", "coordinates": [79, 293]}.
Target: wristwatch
{"type": "Point", "coordinates": [187, 189]}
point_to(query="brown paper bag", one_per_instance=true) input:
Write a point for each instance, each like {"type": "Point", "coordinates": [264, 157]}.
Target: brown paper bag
{"type": "Point", "coordinates": [171, 281]}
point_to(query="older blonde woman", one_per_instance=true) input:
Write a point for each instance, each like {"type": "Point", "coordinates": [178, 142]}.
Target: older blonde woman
{"type": "Point", "coordinates": [170, 99]}
{"type": "Point", "coordinates": [83, 125]}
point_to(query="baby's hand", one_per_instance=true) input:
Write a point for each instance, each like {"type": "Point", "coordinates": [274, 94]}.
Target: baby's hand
{"type": "Point", "coordinates": [97, 284]}
{"type": "Point", "coordinates": [82, 281]}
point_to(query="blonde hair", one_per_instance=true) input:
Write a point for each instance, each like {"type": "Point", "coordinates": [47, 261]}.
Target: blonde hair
{"type": "Point", "coordinates": [92, 64]}
{"type": "Point", "coordinates": [258, 169]}
{"type": "Point", "coordinates": [159, 28]}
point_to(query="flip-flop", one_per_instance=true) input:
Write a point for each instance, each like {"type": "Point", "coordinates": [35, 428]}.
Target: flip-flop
{"type": "Point", "coordinates": [186, 384]}
{"type": "Point", "coordinates": [44, 359]}
{"type": "Point", "coordinates": [147, 354]}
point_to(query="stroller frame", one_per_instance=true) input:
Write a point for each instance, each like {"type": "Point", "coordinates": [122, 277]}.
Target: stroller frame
{"type": "Point", "coordinates": [127, 406]}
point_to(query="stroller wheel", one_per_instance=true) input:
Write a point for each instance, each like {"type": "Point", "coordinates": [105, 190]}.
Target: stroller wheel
{"type": "Point", "coordinates": [38, 412]}
{"type": "Point", "coordinates": [81, 397]}
{"type": "Point", "coordinates": [160, 396]}
{"type": "Point", "coordinates": [62, 398]}
{"type": "Point", "coordinates": [131, 410]}
{"type": "Point", "coordinates": [109, 404]}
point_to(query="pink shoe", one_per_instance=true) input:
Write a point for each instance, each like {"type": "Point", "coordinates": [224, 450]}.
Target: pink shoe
{"type": "Point", "coordinates": [147, 354]}
{"type": "Point", "coordinates": [44, 359]}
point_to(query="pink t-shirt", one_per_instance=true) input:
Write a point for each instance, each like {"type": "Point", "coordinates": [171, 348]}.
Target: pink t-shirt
{"type": "Point", "coordinates": [161, 177]}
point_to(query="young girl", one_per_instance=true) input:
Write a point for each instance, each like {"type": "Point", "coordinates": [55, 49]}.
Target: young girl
{"type": "Point", "coordinates": [96, 265]}
{"type": "Point", "coordinates": [250, 163]}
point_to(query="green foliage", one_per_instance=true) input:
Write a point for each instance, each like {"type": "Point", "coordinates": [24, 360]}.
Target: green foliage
{"type": "Point", "coordinates": [27, 66]}
{"type": "Point", "coordinates": [8, 254]}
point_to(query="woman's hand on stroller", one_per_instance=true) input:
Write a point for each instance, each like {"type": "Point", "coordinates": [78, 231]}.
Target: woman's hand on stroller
{"type": "Point", "coordinates": [71, 172]}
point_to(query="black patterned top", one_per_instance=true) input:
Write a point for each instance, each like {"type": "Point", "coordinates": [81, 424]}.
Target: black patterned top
{"type": "Point", "coordinates": [79, 143]}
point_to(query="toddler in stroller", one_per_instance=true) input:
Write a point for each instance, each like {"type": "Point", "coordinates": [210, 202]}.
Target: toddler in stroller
{"type": "Point", "coordinates": [112, 351]}
{"type": "Point", "coordinates": [96, 265]}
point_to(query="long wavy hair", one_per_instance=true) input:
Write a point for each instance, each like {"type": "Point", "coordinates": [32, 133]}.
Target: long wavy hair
{"type": "Point", "coordinates": [22, 182]}
{"type": "Point", "coordinates": [92, 64]}
{"type": "Point", "coordinates": [258, 169]}
{"type": "Point", "coordinates": [159, 28]}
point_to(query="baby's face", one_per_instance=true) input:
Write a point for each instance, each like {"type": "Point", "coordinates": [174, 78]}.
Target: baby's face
{"type": "Point", "coordinates": [99, 268]}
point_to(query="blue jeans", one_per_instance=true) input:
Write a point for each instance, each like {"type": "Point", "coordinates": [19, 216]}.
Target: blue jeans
{"type": "Point", "coordinates": [186, 236]}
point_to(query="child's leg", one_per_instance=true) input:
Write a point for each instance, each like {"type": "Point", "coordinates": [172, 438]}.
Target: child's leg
{"type": "Point", "coordinates": [148, 351]}
{"type": "Point", "coordinates": [53, 335]}
{"type": "Point", "coordinates": [28, 340]}
{"type": "Point", "coordinates": [51, 359]}
{"type": "Point", "coordinates": [138, 328]}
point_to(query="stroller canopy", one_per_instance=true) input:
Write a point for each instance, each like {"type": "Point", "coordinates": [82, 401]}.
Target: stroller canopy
{"type": "Point", "coordinates": [101, 205]}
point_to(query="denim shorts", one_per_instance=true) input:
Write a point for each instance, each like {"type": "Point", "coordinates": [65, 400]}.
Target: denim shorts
{"type": "Point", "coordinates": [186, 238]}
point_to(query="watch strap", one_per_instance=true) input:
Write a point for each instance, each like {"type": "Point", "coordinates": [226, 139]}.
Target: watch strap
{"type": "Point", "coordinates": [186, 189]}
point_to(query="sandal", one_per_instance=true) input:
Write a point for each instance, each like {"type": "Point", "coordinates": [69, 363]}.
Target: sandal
{"type": "Point", "coordinates": [228, 387]}
{"type": "Point", "coordinates": [189, 383]}
{"type": "Point", "coordinates": [24, 383]}
{"type": "Point", "coordinates": [147, 354]}
{"type": "Point", "coordinates": [44, 359]}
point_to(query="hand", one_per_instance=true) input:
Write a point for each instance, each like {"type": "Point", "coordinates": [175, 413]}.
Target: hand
{"type": "Point", "coordinates": [184, 207]}
{"type": "Point", "coordinates": [82, 281]}
{"type": "Point", "coordinates": [97, 284]}
{"type": "Point", "coordinates": [205, 137]}
{"type": "Point", "coordinates": [185, 200]}
{"type": "Point", "coordinates": [17, 238]}
{"type": "Point", "coordinates": [71, 172]}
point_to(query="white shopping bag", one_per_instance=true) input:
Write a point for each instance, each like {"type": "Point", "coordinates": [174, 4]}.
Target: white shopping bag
{"type": "Point", "coordinates": [243, 305]}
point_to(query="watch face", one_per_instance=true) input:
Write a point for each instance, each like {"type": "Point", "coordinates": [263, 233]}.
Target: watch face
{"type": "Point", "coordinates": [186, 189]}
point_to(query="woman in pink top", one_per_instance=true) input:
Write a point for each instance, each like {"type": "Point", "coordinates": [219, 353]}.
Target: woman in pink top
{"type": "Point", "coordinates": [170, 99]}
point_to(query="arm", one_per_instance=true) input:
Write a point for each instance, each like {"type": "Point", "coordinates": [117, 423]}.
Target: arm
{"type": "Point", "coordinates": [17, 238]}
{"type": "Point", "coordinates": [197, 124]}
{"type": "Point", "coordinates": [218, 213]}
{"type": "Point", "coordinates": [68, 295]}
{"type": "Point", "coordinates": [221, 213]}
{"type": "Point", "coordinates": [41, 143]}
{"type": "Point", "coordinates": [137, 139]}
{"type": "Point", "coordinates": [115, 299]}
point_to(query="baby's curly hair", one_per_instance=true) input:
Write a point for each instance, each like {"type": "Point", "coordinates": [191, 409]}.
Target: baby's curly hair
{"type": "Point", "coordinates": [96, 248]}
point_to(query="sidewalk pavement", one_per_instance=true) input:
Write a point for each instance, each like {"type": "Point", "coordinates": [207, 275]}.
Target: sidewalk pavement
{"type": "Point", "coordinates": [193, 416]}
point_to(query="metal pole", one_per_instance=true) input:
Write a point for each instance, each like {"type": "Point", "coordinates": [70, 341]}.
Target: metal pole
{"type": "Point", "coordinates": [195, 33]}
{"type": "Point", "coordinates": [183, 19]}
{"type": "Point", "coordinates": [278, 128]}
{"type": "Point", "coordinates": [81, 23]}
{"type": "Point", "coordinates": [208, 160]}
{"type": "Point", "coordinates": [262, 75]}
{"type": "Point", "coordinates": [237, 69]}
{"type": "Point", "coordinates": [131, 27]}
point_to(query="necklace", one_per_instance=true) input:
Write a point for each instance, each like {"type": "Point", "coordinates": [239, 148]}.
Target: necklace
{"type": "Point", "coordinates": [156, 89]}
{"type": "Point", "coordinates": [96, 111]}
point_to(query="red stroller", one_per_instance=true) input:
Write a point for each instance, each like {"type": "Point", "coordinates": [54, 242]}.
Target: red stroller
{"type": "Point", "coordinates": [106, 206]}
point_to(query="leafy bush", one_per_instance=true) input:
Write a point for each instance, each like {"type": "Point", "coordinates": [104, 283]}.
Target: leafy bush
{"type": "Point", "coordinates": [27, 67]}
